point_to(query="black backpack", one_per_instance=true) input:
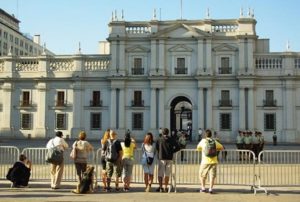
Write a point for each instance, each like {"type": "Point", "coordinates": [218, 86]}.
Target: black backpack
{"type": "Point", "coordinates": [111, 153]}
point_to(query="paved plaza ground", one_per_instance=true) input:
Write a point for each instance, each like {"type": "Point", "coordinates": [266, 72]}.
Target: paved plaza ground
{"type": "Point", "coordinates": [41, 192]}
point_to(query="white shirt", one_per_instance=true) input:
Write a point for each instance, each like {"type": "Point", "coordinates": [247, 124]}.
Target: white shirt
{"type": "Point", "coordinates": [57, 142]}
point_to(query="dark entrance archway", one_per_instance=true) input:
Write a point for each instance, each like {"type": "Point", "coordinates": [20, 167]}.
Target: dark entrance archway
{"type": "Point", "coordinates": [181, 114]}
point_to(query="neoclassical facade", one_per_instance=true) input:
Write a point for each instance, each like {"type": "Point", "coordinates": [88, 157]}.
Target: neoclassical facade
{"type": "Point", "coordinates": [178, 74]}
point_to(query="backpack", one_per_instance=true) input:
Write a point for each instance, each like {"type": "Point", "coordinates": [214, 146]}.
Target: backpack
{"type": "Point", "coordinates": [210, 149]}
{"type": "Point", "coordinates": [111, 153]}
{"type": "Point", "coordinates": [87, 180]}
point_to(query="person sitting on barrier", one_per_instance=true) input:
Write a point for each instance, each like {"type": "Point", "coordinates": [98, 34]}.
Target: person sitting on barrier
{"type": "Point", "coordinates": [209, 148]}
{"type": "Point", "coordinates": [57, 170]}
{"type": "Point", "coordinates": [19, 174]}
{"type": "Point", "coordinates": [82, 147]}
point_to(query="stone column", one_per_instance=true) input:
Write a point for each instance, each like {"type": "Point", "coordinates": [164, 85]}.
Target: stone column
{"type": "Point", "coordinates": [251, 108]}
{"type": "Point", "coordinates": [200, 57]}
{"type": "Point", "coordinates": [78, 115]}
{"type": "Point", "coordinates": [7, 124]}
{"type": "Point", "coordinates": [122, 116]}
{"type": "Point", "coordinates": [121, 58]}
{"type": "Point", "coordinates": [42, 105]}
{"type": "Point", "coordinates": [113, 98]}
{"type": "Point", "coordinates": [241, 108]}
{"type": "Point", "coordinates": [153, 65]}
{"type": "Point", "coordinates": [289, 113]}
{"type": "Point", "coordinates": [162, 57]}
{"type": "Point", "coordinates": [113, 63]}
{"type": "Point", "coordinates": [209, 56]}
{"type": "Point", "coordinates": [200, 108]}
{"type": "Point", "coordinates": [241, 56]}
{"type": "Point", "coordinates": [153, 109]}
{"type": "Point", "coordinates": [209, 111]}
{"type": "Point", "coordinates": [162, 108]}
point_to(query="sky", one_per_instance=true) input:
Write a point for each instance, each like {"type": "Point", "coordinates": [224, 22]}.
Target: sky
{"type": "Point", "coordinates": [62, 24]}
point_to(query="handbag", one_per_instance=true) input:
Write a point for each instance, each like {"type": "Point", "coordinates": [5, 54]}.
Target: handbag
{"type": "Point", "coordinates": [149, 160]}
{"type": "Point", "coordinates": [73, 153]}
{"type": "Point", "coordinates": [54, 155]}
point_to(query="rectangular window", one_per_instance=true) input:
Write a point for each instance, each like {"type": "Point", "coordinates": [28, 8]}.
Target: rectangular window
{"type": "Point", "coordinates": [25, 121]}
{"type": "Point", "coordinates": [225, 62]}
{"type": "Point", "coordinates": [225, 121]}
{"type": "Point", "coordinates": [25, 98]}
{"type": "Point", "coordinates": [137, 121]}
{"type": "Point", "coordinates": [180, 62]}
{"type": "Point", "coordinates": [95, 121]}
{"type": "Point", "coordinates": [60, 98]}
{"type": "Point", "coordinates": [137, 100]}
{"type": "Point", "coordinates": [137, 63]}
{"type": "Point", "coordinates": [269, 95]}
{"type": "Point", "coordinates": [225, 98]}
{"type": "Point", "coordinates": [270, 122]}
{"type": "Point", "coordinates": [60, 121]}
{"type": "Point", "coordinates": [96, 102]}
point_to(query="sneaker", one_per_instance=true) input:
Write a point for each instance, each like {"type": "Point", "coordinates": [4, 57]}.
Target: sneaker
{"type": "Point", "coordinates": [75, 191]}
{"type": "Point", "coordinates": [203, 191]}
{"type": "Point", "coordinates": [148, 189]}
{"type": "Point", "coordinates": [159, 189]}
{"type": "Point", "coordinates": [211, 191]}
{"type": "Point", "coordinates": [108, 189]}
{"type": "Point", "coordinates": [166, 190]}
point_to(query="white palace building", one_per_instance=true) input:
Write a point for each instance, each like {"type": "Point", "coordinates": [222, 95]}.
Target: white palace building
{"type": "Point", "coordinates": [210, 73]}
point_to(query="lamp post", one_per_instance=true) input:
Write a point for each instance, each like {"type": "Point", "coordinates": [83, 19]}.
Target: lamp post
{"type": "Point", "coordinates": [199, 134]}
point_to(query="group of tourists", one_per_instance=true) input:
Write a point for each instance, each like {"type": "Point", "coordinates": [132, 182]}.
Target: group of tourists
{"type": "Point", "coordinates": [118, 157]}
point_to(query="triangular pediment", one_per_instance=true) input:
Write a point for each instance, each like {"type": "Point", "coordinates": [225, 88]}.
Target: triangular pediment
{"type": "Point", "coordinates": [180, 48]}
{"type": "Point", "coordinates": [225, 47]}
{"type": "Point", "coordinates": [137, 48]}
{"type": "Point", "coordinates": [180, 30]}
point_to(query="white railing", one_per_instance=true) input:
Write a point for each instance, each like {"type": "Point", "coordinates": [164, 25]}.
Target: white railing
{"type": "Point", "coordinates": [1, 66]}
{"type": "Point", "coordinates": [96, 64]}
{"type": "Point", "coordinates": [224, 28]}
{"type": "Point", "coordinates": [62, 65]}
{"type": "Point", "coordinates": [138, 29]}
{"type": "Point", "coordinates": [268, 63]}
{"type": "Point", "coordinates": [27, 65]}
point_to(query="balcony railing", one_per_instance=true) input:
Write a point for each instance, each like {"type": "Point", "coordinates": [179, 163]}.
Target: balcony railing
{"type": "Point", "coordinates": [25, 103]}
{"type": "Point", "coordinates": [180, 70]}
{"type": "Point", "coordinates": [225, 70]}
{"type": "Point", "coordinates": [60, 103]}
{"type": "Point", "coordinates": [137, 103]}
{"type": "Point", "coordinates": [95, 103]}
{"type": "Point", "coordinates": [137, 71]}
{"type": "Point", "coordinates": [225, 103]}
{"type": "Point", "coordinates": [269, 103]}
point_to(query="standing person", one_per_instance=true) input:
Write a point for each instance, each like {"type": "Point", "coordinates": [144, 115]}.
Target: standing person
{"type": "Point", "coordinates": [240, 143]}
{"type": "Point", "coordinates": [20, 172]}
{"type": "Point", "coordinates": [128, 147]}
{"type": "Point", "coordinates": [103, 160]}
{"type": "Point", "coordinates": [82, 147]}
{"type": "Point", "coordinates": [209, 161]}
{"type": "Point", "coordinates": [57, 170]}
{"type": "Point", "coordinates": [182, 140]}
{"type": "Point", "coordinates": [165, 149]}
{"type": "Point", "coordinates": [148, 167]}
{"type": "Point", "coordinates": [113, 157]}
{"type": "Point", "coordinates": [274, 139]}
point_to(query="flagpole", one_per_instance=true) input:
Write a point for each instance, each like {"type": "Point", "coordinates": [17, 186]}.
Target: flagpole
{"type": "Point", "coordinates": [181, 9]}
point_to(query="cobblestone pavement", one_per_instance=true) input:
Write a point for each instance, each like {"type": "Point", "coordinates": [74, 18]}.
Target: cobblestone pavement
{"type": "Point", "coordinates": [42, 192]}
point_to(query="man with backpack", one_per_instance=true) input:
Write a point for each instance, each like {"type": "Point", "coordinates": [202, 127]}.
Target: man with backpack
{"type": "Point", "coordinates": [166, 146]}
{"type": "Point", "coordinates": [113, 157]}
{"type": "Point", "coordinates": [209, 148]}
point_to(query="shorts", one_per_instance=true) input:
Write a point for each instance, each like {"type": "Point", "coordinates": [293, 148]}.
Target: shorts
{"type": "Point", "coordinates": [80, 168]}
{"type": "Point", "coordinates": [127, 167]}
{"type": "Point", "coordinates": [205, 168]}
{"type": "Point", "coordinates": [111, 167]}
{"type": "Point", "coordinates": [103, 162]}
{"type": "Point", "coordinates": [164, 168]}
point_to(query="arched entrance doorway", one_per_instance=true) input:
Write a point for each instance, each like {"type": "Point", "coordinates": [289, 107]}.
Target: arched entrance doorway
{"type": "Point", "coordinates": [181, 114]}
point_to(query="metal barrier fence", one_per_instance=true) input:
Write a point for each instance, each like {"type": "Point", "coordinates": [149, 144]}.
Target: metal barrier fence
{"type": "Point", "coordinates": [8, 156]}
{"type": "Point", "coordinates": [278, 168]}
{"type": "Point", "coordinates": [236, 167]}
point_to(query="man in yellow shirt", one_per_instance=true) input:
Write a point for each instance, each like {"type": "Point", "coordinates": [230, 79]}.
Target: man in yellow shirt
{"type": "Point", "coordinates": [209, 148]}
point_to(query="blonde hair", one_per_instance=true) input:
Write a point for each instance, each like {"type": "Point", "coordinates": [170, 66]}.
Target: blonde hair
{"type": "Point", "coordinates": [82, 135]}
{"type": "Point", "coordinates": [112, 134]}
{"type": "Point", "coordinates": [105, 136]}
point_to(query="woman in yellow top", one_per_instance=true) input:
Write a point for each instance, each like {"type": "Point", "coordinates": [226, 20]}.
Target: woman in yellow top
{"type": "Point", "coordinates": [128, 147]}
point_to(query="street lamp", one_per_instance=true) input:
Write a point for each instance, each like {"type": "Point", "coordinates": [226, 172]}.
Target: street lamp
{"type": "Point", "coordinates": [199, 134]}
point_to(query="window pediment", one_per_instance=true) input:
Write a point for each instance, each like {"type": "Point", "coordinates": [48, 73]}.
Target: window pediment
{"type": "Point", "coordinates": [225, 47]}
{"type": "Point", "coordinates": [180, 48]}
{"type": "Point", "coordinates": [137, 49]}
